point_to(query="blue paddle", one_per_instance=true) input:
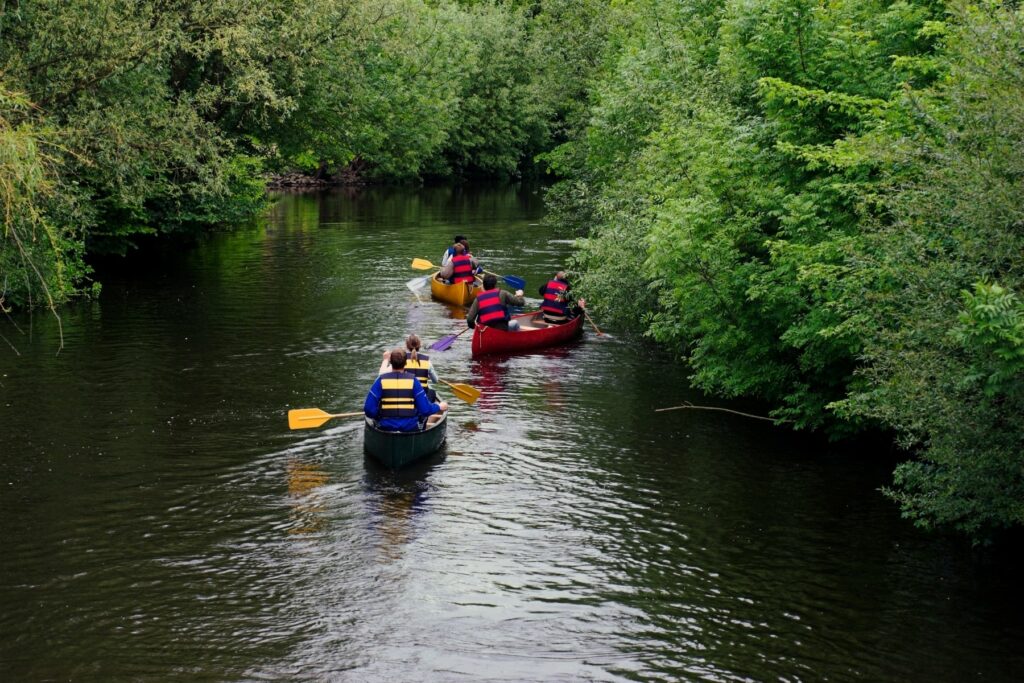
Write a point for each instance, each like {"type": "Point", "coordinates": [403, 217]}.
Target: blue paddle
{"type": "Point", "coordinates": [511, 280]}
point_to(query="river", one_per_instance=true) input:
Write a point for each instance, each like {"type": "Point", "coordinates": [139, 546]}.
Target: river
{"type": "Point", "coordinates": [160, 522]}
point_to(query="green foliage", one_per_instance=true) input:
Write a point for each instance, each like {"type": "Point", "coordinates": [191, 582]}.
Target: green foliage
{"type": "Point", "coordinates": [39, 259]}
{"type": "Point", "coordinates": [496, 120]}
{"type": "Point", "coordinates": [381, 93]}
{"type": "Point", "coordinates": [793, 195]}
{"type": "Point", "coordinates": [721, 137]}
{"type": "Point", "coordinates": [991, 329]}
{"type": "Point", "coordinates": [161, 117]}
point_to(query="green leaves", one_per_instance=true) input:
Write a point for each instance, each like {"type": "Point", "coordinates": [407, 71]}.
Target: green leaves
{"type": "Point", "coordinates": [160, 117]}
{"type": "Point", "coordinates": [812, 187]}
{"type": "Point", "coordinates": [991, 330]}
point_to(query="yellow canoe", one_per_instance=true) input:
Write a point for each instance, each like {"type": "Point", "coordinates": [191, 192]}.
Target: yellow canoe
{"type": "Point", "coordinates": [461, 294]}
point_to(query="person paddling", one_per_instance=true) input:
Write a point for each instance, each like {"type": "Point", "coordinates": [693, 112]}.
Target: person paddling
{"type": "Point", "coordinates": [556, 306]}
{"type": "Point", "coordinates": [491, 306]}
{"type": "Point", "coordinates": [398, 401]}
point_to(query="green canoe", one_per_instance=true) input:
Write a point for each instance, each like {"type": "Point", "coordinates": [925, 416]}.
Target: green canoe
{"type": "Point", "coordinates": [397, 449]}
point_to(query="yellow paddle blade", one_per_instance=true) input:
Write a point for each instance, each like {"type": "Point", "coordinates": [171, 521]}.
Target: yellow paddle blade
{"type": "Point", "coordinates": [422, 264]}
{"type": "Point", "coordinates": [307, 418]}
{"type": "Point", "coordinates": [465, 392]}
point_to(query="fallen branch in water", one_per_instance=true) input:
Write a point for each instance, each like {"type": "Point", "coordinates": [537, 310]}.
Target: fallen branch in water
{"type": "Point", "coordinates": [724, 410]}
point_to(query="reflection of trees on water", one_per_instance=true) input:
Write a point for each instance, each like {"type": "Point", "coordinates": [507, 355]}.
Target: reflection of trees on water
{"type": "Point", "coordinates": [397, 497]}
{"type": "Point", "coordinates": [304, 478]}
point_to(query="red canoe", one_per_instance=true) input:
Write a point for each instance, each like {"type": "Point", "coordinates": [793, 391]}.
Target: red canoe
{"type": "Point", "coordinates": [533, 334]}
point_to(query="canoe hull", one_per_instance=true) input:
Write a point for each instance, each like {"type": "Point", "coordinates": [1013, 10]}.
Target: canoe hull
{"type": "Point", "coordinates": [488, 340]}
{"type": "Point", "coordinates": [461, 294]}
{"type": "Point", "coordinates": [397, 449]}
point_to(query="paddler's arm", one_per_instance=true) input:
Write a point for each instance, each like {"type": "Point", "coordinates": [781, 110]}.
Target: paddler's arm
{"type": "Point", "coordinates": [474, 308]}
{"type": "Point", "coordinates": [510, 299]}
{"type": "Point", "coordinates": [424, 406]}
{"type": "Point", "coordinates": [371, 407]}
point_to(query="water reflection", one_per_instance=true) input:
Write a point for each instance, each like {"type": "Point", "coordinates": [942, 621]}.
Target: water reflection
{"type": "Point", "coordinates": [304, 480]}
{"type": "Point", "coordinates": [489, 375]}
{"type": "Point", "coordinates": [395, 498]}
{"type": "Point", "coordinates": [455, 313]}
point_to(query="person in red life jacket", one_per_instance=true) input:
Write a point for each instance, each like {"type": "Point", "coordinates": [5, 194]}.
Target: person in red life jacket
{"type": "Point", "coordinates": [417, 363]}
{"type": "Point", "coordinates": [556, 305]}
{"type": "Point", "coordinates": [450, 251]}
{"type": "Point", "coordinates": [398, 402]}
{"type": "Point", "coordinates": [491, 306]}
{"type": "Point", "coordinates": [461, 268]}
{"type": "Point", "coordinates": [479, 269]}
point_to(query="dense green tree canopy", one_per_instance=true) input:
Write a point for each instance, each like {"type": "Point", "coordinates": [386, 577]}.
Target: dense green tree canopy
{"type": "Point", "coordinates": [819, 205]}
{"type": "Point", "coordinates": [124, 118]}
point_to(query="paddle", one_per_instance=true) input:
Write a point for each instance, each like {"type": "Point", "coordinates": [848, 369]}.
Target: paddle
{"type": "Point", "coordinates": [307, 418]}
{"type": "Point", "coordinates": [444, 343]}
{"type": "Point", "coordinates": [464, 391]}
{"type": "Point", "coordinates": [417, 283]}
{"type": "Point", "coordinates": [596, 328]}
{"type": "Point", "coordinates": [511, 280]}
{"type": "Point", "coordinates": [422, 264]}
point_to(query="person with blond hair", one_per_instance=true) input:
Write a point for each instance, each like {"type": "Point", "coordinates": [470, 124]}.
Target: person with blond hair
{"type": "Point", "coordinates": [417, 363]}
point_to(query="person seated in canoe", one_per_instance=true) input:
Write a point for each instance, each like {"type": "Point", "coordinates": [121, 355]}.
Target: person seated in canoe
{"type": "Point", "coordinates": [557, 308]}
{"type": "Point", "coordinates": [461, 268]}
{"type": "Point", "coordinates": [398, 402]}
{"type": "Point", "coordinates": [415, 362]}
{"type": "Point", "coordinates": [450, 251]}
{"type": "Point", "coordinates": [491, 306]}
{"type": "Point", "coordinates": [479, 269]}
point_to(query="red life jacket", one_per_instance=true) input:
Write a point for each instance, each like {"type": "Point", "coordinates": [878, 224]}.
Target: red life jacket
{"type": "Point", "coordinates": [554, 304]}
{"type": "Point", "coordinates": [462, 268]}
{"type": "Point", "coordinates": [490, 309]}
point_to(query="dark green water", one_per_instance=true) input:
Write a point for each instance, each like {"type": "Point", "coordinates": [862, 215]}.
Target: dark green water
{"type": "Point", "coordinates": [159, 521]}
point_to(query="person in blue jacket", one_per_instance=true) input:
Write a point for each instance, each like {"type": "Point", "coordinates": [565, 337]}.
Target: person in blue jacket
{"type": "Point", "coordinates": [397, 400]}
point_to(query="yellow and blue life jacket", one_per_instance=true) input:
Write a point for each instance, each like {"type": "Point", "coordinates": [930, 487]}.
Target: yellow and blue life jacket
{"type": "Point", "coordinates": [419, 367]}
{"type": "Point", "coordinates": [398, 395]}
